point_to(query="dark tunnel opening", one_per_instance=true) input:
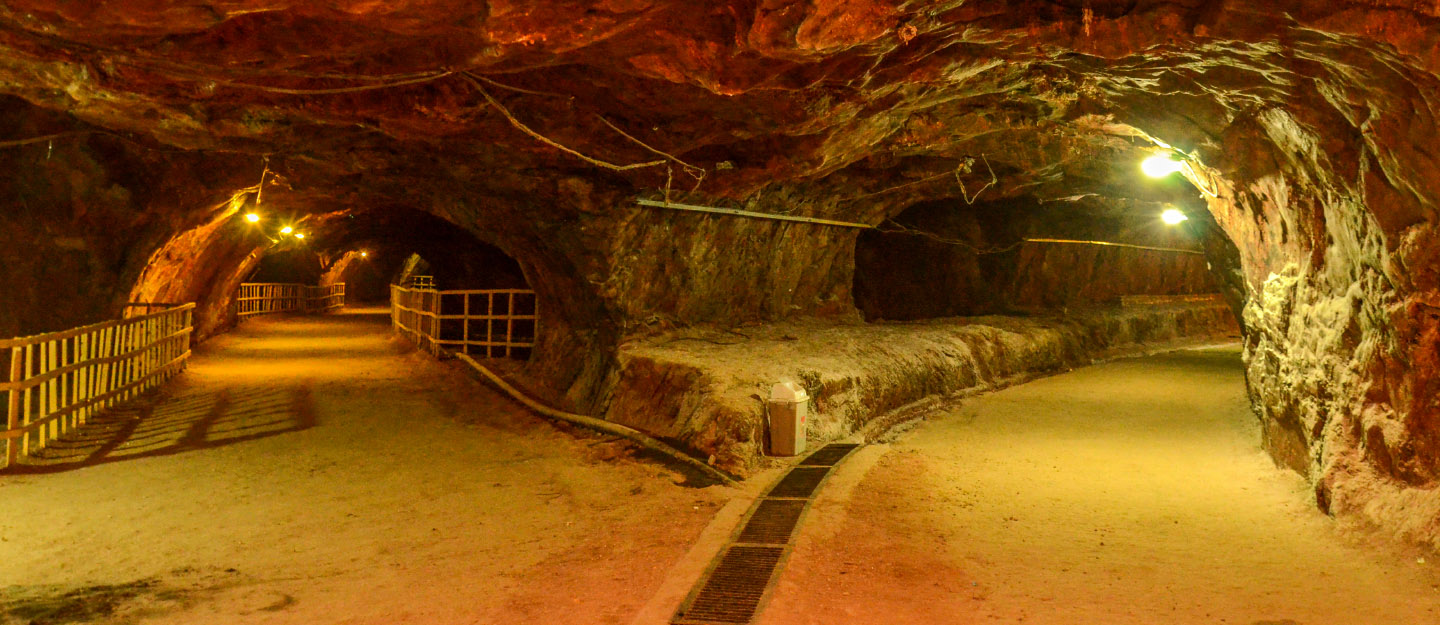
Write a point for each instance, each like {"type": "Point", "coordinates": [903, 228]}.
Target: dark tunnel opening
{"type": "Point", "coordinates": [381, 245]}
{"type": "Point", "coordinates": [291, 266]}
{"type": "Point", "coordinates": [373, 250]}
{"type": "Point", "coordinates": [948, 258]}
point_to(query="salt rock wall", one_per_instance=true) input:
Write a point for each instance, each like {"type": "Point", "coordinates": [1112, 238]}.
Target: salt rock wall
{"type": "Point", "coordinates": [666, 267]}
{"type": "Point", "coordinates": [204, 265]}
{"type": "Point", "coordinates": [84, 213]}
{"type": "Point", "coordinates": [1332, 208]}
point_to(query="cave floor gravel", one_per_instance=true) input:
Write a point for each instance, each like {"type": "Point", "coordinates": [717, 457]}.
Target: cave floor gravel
{"type": "Point", "coordinates": [1125, 493]}
{"type": "Point", "coordinates": [313, 470]}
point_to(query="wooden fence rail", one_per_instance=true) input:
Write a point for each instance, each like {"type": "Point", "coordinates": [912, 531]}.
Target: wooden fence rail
{"type": "Point", "coordinates": [57, 381]}
{"type": "Point", "coordinates": [263, 298]}
{"type": "Point", "coordinates": [135, 309]}
{"type": "Point", "coordinates": [325, 298]}
{"type": "Point", "coordinates": [495, 322]}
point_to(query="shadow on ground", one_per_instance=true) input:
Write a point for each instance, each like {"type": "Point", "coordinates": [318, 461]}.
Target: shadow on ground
{"type": "Point", "coordinates": [176, 421]}
{"type": "Point", "coordinates": [137, 601]}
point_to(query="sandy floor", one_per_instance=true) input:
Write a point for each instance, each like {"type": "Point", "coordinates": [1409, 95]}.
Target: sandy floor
{"type": "Point", "coordinates": [308, 470]}
{"type": "Point", "coordinates": [1127, 493]}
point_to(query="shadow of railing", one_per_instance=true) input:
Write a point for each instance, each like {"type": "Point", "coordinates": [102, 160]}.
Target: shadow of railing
{"type": "Point", "coordinates": [165, 424]}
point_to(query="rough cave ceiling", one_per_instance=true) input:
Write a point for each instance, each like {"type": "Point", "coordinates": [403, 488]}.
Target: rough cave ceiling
{"type": "Point", "coordinates": [372, 97]}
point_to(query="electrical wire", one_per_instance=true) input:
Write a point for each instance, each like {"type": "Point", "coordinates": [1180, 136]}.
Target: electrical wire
{"type": "Point", "coordinates": [897, 187]}
{"type": "Point", "coordinates": [43, 138]}
{"type": "Point", "coordinates": [689, 169]}
{"type": "Point", "coordinates": [895, 228]}
{"type": "Point", "coordinates": [547, 141]}
{"type": "Point", "coordinates": [495, 83]}
{"type": "Point", "coordinates": [288, 91]}
{"type": "Point", "coordinates": [960, 168]}
{"type": "Point", "coordinates": [891, 227]}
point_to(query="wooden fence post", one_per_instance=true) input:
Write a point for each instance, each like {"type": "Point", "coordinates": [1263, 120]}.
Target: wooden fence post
{"type": "Point", "coordinates": [510, 323]}
{"type": "Point", "coordinates": [435, 324]}
{"type": "Point", "coordinates": [12, 422]}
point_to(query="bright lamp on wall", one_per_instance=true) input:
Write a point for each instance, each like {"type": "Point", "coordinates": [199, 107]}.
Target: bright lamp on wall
{"type": "Point", "coordinates": [1161, 165]}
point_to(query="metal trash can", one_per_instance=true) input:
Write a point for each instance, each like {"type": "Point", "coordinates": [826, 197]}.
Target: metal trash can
{"type": "Point", "coordinates": [788, 408]}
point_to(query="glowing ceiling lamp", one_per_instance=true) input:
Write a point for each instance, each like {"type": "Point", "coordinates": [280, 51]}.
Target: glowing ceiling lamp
{"type": "Point", "coordinates": [286, 230]}
{"type": "Point", "coordinates": [252, 217]}
{"type": "Point", "coordinates": [1173, 216]}
{"type": "Point", "coordinates": [1161, 165]}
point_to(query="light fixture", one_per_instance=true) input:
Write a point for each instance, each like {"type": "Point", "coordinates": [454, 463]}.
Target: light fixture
{"type": "Point", "coordinates": [1161, 165]}
{"type": "Point", "coordinates": [286, 230]}
{"type": "Point", "coordinates": [1173, 216]}
{"type": "Point", "coordinates": [252, 217]}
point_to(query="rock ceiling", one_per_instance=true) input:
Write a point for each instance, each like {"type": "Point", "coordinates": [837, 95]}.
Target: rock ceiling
{"type": "Point", "coordinates": [723, 97]}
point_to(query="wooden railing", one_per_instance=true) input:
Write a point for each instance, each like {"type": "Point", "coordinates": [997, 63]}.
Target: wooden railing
{"type": "Point", "coordinates": [495, 322]}
{"type": "Point", "coordinates": [136, 309]}
{"type": "Point", "coordinates": [263, 298]}
{"type": "Point", "coordinates": [324, 298]}
{"type": "Point", "coordinates": [57, 381]}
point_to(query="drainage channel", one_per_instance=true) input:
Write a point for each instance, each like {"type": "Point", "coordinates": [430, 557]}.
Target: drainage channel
{"type": "Point", "coordinates": [736, 584]}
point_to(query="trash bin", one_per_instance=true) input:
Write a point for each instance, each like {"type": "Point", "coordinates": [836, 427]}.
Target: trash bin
{"type": "Point", "coordinates": [788, 408]}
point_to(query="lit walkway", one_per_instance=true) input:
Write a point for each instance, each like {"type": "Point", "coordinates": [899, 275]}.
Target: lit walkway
{"type": "Point", "coordinates": [1127, 493]}
{"type": "Point", "coordinates": [312, 470]}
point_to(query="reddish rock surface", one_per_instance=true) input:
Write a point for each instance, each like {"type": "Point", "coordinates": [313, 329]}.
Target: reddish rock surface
{"type": "Point", "coordinates": [1310, 121]}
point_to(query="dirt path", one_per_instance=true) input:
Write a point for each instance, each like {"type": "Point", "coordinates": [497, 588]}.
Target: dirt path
{"type": "Point", "coordinates": [310, 470]}
{"type": "Point", "coordinates": [1128, 493]}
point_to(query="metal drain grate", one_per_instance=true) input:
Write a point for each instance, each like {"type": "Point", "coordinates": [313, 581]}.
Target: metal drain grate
{"type": "Point", "coordinates": [735, 586]}
{"type": "Point", "coordinates": [800, 482]}
{"type": "Point", "coordinates": [828, 455]}
{"type": "Point", "coordinates": [773, 522]}
{"type": "Point", "coordinates": [732, 592]}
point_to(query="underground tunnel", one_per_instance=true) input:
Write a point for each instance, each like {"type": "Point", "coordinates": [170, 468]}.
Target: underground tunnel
{"type": "Point", "coordinates": [446, 295]}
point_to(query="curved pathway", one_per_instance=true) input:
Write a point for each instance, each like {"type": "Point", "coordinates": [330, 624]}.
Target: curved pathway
{"type": "Point", "coordinates": [1127, 493]}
